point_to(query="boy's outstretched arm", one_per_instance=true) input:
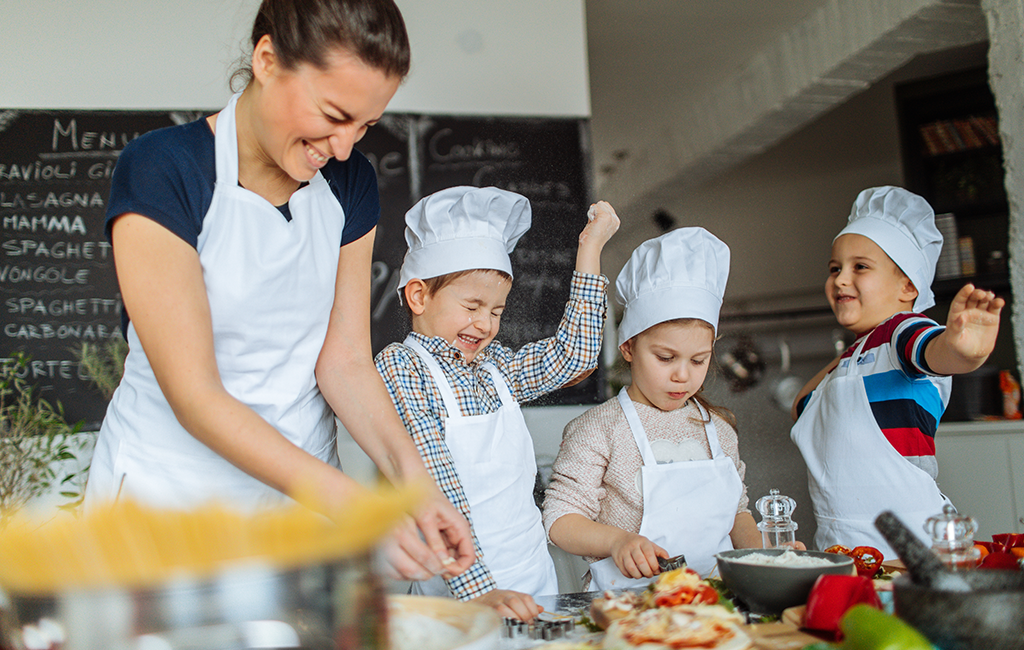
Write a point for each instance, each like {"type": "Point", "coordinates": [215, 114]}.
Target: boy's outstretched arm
{"type": "Point", "coordinates": [602, 225]}
{"type": "Point", "coordinates": [970, 334]}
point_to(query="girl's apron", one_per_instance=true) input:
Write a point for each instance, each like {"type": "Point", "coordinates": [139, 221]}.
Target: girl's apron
{"type": "Point", "coordinates": [853, 472]}
{"type": "Point", "coordinates": [495, 461]}
{"type": "Point", "coordinates": [689, 506]}
{"type": "Point", "coordinates": [270, 284]}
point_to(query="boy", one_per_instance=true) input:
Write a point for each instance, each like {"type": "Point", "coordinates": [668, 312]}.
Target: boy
{"type": "Point", "coordinates": [458, 391]}
{"type": "Point", "coordinates": [866, 423]}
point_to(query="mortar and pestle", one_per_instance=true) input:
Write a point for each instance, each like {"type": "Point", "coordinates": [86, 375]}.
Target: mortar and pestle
{"type": "Point", "coordinates": [969, 610]}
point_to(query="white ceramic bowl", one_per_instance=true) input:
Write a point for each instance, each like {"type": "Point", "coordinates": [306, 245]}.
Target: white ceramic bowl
{"type": "Point", "coordinates": [426, 623]}
{"type": "Point", "coordinates": [771, 588]}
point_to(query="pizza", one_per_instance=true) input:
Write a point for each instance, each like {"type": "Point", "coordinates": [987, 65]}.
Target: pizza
{"type": "Point", "coordinates": [677, 611]}
{"type": "Point", "coordinates": [611, 606]}
{"type": "Point", "coordinates": [682, 586]}
{"type": "Point", "coordinates": [678, 628]}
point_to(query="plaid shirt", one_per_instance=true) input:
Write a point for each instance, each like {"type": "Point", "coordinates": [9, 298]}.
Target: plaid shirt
{"type": "Point", "coordinates": [536, 369]}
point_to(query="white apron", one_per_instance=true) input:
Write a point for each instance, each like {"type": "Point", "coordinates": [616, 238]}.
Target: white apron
{"type": "Point", "coordinates": [853, 472]}
{"type": "Point", "coordinates": [689, 506]}
{"type": "Point", "coordinates": [270, 283]}
{"type": "Point", "coordinates": [494, 457]}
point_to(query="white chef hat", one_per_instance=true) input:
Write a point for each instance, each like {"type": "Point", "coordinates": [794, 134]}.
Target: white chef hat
{"type": "Point", "coordinates": [681, 274]}
{"type": "Point", "coordinates": [461, 229]}
{"type": "Point", "coordinates": [903, 225]}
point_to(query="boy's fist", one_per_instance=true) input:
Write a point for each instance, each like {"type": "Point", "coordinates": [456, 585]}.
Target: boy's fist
{"type": "Point", "coordinates": [602, 224]}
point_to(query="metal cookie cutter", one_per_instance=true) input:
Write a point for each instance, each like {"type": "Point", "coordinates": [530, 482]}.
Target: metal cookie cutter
{"type": "Point", "coordinates": [676, 562]}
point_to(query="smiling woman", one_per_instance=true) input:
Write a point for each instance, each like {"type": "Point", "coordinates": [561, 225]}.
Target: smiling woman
{"type": "Point", "coordinates": [242, 245]}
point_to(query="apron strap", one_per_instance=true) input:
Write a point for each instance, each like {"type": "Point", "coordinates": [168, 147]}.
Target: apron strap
{"type": "Point", "coordinates": [499, 384]}
{"type": "Point", "coordinates": [711, 431]}
{"type": "Point", "coordinates": [451, 404]}
{"type": "Point", "coordinates": [637, 429]}
{"type": "Point", "coordinates": [226, 145]}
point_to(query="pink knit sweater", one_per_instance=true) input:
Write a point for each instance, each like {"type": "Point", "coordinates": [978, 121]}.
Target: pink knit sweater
{"type": "Point", "coordinates": [596, 473]}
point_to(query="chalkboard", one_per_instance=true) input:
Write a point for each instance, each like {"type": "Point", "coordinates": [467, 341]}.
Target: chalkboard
{"type": "Point", "coordinates": [57, 277]}
{"type": "Point", "coordinates": [57, 280]}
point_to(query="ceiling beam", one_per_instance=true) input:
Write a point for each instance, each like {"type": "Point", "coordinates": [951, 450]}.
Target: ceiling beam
{"type": "Point", "coordinates": [837, 52]}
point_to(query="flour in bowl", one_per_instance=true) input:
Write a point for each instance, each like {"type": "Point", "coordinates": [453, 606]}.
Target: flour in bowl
{"type": "Point", "coordinates": [788, 558]}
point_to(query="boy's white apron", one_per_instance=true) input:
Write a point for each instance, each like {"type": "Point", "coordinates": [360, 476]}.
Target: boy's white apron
{"type": "Point", "coordinates": [689, 506]}
{"type": "Point", "coordinates": [853, 472]}
{"type": "Point", "coordinates": [270, 284]}
{"type": "Point", "coordinates": [493, 454]}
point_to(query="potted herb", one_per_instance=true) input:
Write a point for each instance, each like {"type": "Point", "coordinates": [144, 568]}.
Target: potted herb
{"type": "Point", "coordinates": [34, 440]}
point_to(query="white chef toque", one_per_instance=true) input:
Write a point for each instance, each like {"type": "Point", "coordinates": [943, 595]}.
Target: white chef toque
{"type": "Point", "coordinates": [461, 229]}
{"type": "Point", "coordinates": [903, 225]}
{"type": "Point", "coordinates": [681, 274]}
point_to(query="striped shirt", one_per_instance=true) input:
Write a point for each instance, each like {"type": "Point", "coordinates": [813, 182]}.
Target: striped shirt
{"type": "Point", "coordinates": [532, 371]}
{"type": "Point", "coordinates": [907, 398]}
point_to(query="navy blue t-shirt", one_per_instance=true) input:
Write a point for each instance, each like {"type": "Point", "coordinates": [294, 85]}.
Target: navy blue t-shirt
{"type": "Point", "coordinates": [168, 175]}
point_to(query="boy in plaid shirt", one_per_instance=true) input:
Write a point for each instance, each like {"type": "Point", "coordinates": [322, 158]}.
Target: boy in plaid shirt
{"type": "Point", "coordinates": [458, 391]}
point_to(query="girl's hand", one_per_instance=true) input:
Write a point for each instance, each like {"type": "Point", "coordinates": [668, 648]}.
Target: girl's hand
{"type": "Point", "coordinates": [636, 556]}
{"type": "Point", "coordinates": [973, 323]}
{"type": "Point", "coordinates": [510, 604]}
{"type": "Point", "coordinates": [601, 225]}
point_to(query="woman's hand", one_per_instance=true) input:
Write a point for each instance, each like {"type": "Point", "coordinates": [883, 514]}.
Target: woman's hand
{"type": "Point", "coordinates": [446, 533]}
{"type": "Point", "coordinates": [636, 556]}
{"type": "Point", "coordinates": [510, 604]}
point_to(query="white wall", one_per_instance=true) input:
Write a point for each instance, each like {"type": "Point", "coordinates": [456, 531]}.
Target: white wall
{"type": "Point", "coordinates": [469, 56]}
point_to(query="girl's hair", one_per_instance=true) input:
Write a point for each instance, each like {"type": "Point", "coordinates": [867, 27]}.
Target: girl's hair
{"type": "Point", "coordinates": [307, 31]}
{"type": "Point", "coordinates": [435, 284]}
{"type": "Point", "coordinates": [720, 411]}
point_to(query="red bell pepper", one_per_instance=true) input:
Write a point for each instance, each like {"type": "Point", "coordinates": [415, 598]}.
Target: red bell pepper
{"type": "Point", "coordinates": [867, 559]}
{"type": "Point", "coordinates": [999, 560]}
{"type": "Point", "coordinates": [832, 595]}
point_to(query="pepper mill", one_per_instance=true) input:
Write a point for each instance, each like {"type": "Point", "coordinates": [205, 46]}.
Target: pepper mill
{"type": "Point", "coordinates": [953, 538]}
{"type": "Point", "coordinates": [777, 526]}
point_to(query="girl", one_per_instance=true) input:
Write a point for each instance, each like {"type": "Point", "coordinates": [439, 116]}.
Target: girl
{"type": "Point", "coordinates": [242, 243]}
{"type": "Point", "coordinates": [655, 472]}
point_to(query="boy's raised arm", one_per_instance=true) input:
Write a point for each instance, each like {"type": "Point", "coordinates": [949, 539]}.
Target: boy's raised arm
{"type": "Point", "coordinates": [602, 225]}
{"type": "Point", "coordinates": [970, 334]}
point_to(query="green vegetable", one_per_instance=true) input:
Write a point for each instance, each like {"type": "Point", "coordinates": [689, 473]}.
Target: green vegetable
{"type": "Point", "coordinates": [867, 628]}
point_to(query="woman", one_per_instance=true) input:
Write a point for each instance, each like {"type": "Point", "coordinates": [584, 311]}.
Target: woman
{"type": "Point", "coordinates": [249, 322]}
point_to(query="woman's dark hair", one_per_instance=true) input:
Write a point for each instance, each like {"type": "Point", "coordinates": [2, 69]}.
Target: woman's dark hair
{"type": "Point", "coordinates": [307, 31]}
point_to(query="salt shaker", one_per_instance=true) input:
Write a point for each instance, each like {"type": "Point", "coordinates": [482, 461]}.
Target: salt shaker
{"type": "Point", "coordinates": [953, 538]}
{"type": "Point", "coordinates": [777, 526]}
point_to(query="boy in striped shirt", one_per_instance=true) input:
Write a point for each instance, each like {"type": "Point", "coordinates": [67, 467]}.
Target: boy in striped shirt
{"type": "Point", "coordinates": [865, 424]}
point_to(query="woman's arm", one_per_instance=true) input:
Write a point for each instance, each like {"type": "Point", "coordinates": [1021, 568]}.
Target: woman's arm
{"type": "Point", "coordinates": [350, 383]}
{"type": "Point", "coordinates": [162, 286]}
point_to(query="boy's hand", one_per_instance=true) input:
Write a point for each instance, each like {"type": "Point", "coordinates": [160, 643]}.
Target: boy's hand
{"type": "Point", "coordinates": [970, 335]}
{"type": "Point", "coordinates": [601, 225]}
{"type": "Point", "coordinates": [973, 322]}
{"type": "Point", "coordinates": [510, 604]}
{"type": "Point", "coordinates": [636, 556]}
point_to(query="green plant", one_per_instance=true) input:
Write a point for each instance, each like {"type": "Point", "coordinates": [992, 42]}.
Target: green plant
{"type": "Point", "coordinates": [104, 363]}
{"type": "Point", "coordinates": [33, 437]}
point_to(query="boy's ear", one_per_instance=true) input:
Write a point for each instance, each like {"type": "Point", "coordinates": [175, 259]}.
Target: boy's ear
{"type": "Point", "coordinates": [415, 295]}
{"type": "Point", "coordinates": [626, 349]}
{"type": "Point", "coordinates": [909, 292]}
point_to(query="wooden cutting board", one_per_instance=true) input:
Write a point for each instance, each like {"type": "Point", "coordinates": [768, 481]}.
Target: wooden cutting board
{"type": "Point", "coordinates": [778, 636]}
